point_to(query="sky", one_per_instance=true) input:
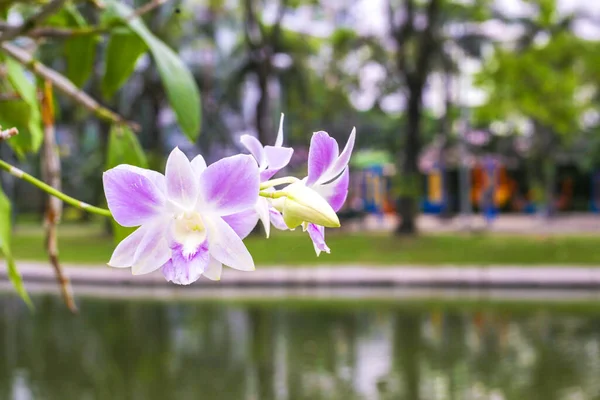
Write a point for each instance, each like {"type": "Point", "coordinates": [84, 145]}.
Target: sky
{"type": "Point", "coordinates": [370, 18]}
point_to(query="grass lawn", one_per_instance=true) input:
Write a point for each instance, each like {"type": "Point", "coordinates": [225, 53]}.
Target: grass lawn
{"type": "Point", "coordinates": [88, 245]}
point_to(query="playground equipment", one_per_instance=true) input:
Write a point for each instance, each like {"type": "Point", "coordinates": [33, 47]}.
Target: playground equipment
{"type": "Point", "coordinates": [371, 175]}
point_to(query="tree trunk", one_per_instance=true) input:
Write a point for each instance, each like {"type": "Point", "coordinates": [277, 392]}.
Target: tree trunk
{"type": "Point", "coordinates": [262, 107]}
{"type": "Point", "coordinates": [446, 129]}
{"type": "Point", "coordinates": [410, 182]}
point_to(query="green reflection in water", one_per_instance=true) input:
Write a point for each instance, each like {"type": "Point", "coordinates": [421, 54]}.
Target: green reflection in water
{"type": "Point", "coordinates": [146, 350]}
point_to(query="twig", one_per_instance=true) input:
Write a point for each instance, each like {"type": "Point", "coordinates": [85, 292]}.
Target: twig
{"type": "Point", "coordinates": [51, 173]}
{"type": "Point", "coordinates": [9, 96]}
{"type": "Point", "coordinates": [8, 133]}
{"type": "Point", "coordinates": [17, 173]}
{"type": "Point", "coordinates": [44, 12]}
{"type": "Point", "coordinates": [151, 5]}
{"type": "Point", "coordinates": [65, 85]}
{"type": "Point", "coordinates": [52, 32]}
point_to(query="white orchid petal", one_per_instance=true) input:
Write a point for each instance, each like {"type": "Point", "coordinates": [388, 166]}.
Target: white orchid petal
{"type": "Point", "coordinates": [226, 246]}
{"type": "Point", "coordinates": [279, 140]}
{"type": "Point", "coordinates": [255, 148]}
{"type": "Point", "coordinates": [123, 256]}
{"type": "Point", "coordinates": [182, 183]}
{"type": "Point", "coordinates": [262, 209]}
{"type": "Point", "coordinates": [213, 270]}
{"type": "Point", "coordinates": [198, 165]}
{"type": "Point", "coordinates": [153, 251]}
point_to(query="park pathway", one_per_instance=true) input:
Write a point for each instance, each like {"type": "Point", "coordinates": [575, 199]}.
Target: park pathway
{"type": "Point", "coordinates": [341, 276]}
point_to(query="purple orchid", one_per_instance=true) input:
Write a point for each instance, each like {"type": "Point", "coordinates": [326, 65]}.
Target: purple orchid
{"type": "Point", "coordinates": [270, 159]}
{"type": "Point", "coordinates": [184, 216]}
{"type": "Point", "coordinates": [329, 176]}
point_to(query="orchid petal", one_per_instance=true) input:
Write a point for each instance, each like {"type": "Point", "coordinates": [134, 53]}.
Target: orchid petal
{"type": "Point", "coordinates": [198, 164]}
{"type": "Point", "coordinates": [226, 246]}
{"type": "Point", "coordinates": [230, 185]}
{"type": "Point", "coordinates": [213, 270]}
{"type": "Point", "coordinates": [183, 268]}
{"type": "Point", "coordinates": [262, 209]}
{"type": "Point", "coordinates": [279, 140]}
{"type": "Point", "coordinates": [243, 222]}
{"type": "Point", "coordinates": [255, 148]}
{"type": "Point", "coordinates": [153, 251]}
{"type": "Point", "coordinates": [277, 219]}
{"type": "Point", "coordinates": [317, 235]}
{"type": "Point", "coordinates": [278, 157]}
{"type": "Point", "coordinates": [132, 197]}
{"type": "Point", "coordinates": [124, 253]}
{"type": "Point", "coordinates": [182, 184]}
{"type": "Point", "coordinates": [156, 177]}
{"type": "Point", "coordinates": [322, 154]}
{"type": "Point", "coordinates": [335, 192]}
{"type": "Point", "coordinates": [267, 174]}
{"type": "Point", "coordinates": [342, 162]}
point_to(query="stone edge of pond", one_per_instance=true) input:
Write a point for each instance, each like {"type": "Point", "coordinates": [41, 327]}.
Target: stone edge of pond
{"type": "Point", "coordinates": [343, 276]}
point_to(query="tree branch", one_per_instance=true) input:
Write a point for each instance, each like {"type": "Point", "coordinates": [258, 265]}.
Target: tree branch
{"type": "Point", "coordinates": [56, 32]}
{"type": "Point", "coordinates": [276, 31]}
{"type": "Point", "coordinates": [252, 32]}
{"type": "Point", "coordinates": [65, 85]}
{"type": "Point", "coordinates": [50, 166]}
{"type": "Point", "coordinates": [44, 12]}
{"type": "Point", "coordinates": [146, 8]}
{"type": "Point", "coordinates": [8, 133]}
{"type": "Point", "coordinates": [403, 33]}
{"type": "Point", "coordinates": [427, 45]}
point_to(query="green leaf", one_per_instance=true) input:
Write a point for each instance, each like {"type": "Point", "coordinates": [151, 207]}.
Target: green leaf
{"type": "Point", "coordinates": [13, 273]}
{"type": "Point", "coordinates": [182, 91]}
{"type": "Point", "coordinates": [23, 114]}
{"type": "Point", "coordinates": [80, 53]}
{"type": "Point", "coordinates": [124, 148]}
{"type": "Point", "coordinates": [122, 52]}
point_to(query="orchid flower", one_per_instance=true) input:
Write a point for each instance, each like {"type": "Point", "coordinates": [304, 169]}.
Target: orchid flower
{"type": "Point", "coordinates": [270, 159]}
{"type": "Point", "coordinates": [329, 176]}
{"type": "Point", "coordinates": [182, 216]}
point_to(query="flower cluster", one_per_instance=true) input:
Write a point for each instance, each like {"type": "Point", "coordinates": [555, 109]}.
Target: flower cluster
{"type": "Point", "coordinates": [193, 218]}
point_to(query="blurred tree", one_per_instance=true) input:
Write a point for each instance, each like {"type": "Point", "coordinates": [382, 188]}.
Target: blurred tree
{"type": "Point", "coordinates": [547, 80]}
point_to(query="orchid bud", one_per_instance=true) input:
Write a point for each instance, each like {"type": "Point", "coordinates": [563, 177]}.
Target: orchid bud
{"type": "Point", "coordinates": [303, 204]}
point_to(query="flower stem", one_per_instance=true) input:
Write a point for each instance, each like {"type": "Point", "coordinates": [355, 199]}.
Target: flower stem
{"type": "Point", "coordinates": [278, 181]}
{"type": "Point", "coordinates": [272, 195]}
{"type": "Point", "coordinates": [50, 190]}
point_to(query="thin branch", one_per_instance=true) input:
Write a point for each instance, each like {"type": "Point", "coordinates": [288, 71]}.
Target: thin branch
{"type": "Point", "coordinates": [30, 23]}
{"type": "Point", "coordinates": [9, 96]}
{"type": "Point", "coordinates": [65, 85]}
{"type": "Point", "coordinates": [17, 173]}
{"type": "Point", "coordinates": [51, 172]}
{"type": "Point", "coordinates": [252, 32]}
{"type": "Point", "coordinates": [52, 32]}
{"type": "Point", "coordinates": [55, 32]}
{"type": "Point", "coordinates": [146, 8]}
{"type": "Point", "coordinates": [8, 133]}
{"type": "Point", "coordinates": [276, 30]}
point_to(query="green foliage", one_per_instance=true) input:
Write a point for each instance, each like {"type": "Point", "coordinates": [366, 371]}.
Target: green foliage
{"type": "Point", "coordinates": [124, 148]}
{"type": "Point", "coordinates": [23, 113]}
{"type": "Point", "coordinates": [540, 83]}
{"type": "Point", "coordinates": [181, 88]}
{"type": "Point", "coordinates": [80, 51]}
{"type": "Point", "coordinates": [122, 52]}
{"type": "Point", "coordinates": [5, 249]}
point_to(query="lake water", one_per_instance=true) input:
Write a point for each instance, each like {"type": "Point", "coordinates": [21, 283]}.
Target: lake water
{"type": "Point", "coordinates": [132, 349]}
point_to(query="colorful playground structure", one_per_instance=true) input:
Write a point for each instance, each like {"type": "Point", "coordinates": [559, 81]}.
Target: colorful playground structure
{"type": "Point", "coordinates": [494, 187]}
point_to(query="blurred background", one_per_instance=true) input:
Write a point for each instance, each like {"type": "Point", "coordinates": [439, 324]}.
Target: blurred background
{"type": "Point", "coordinates": [477, 159]}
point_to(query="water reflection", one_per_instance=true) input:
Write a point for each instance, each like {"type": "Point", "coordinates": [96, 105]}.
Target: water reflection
{"type": "Point", "coordinates": [152, 350]}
